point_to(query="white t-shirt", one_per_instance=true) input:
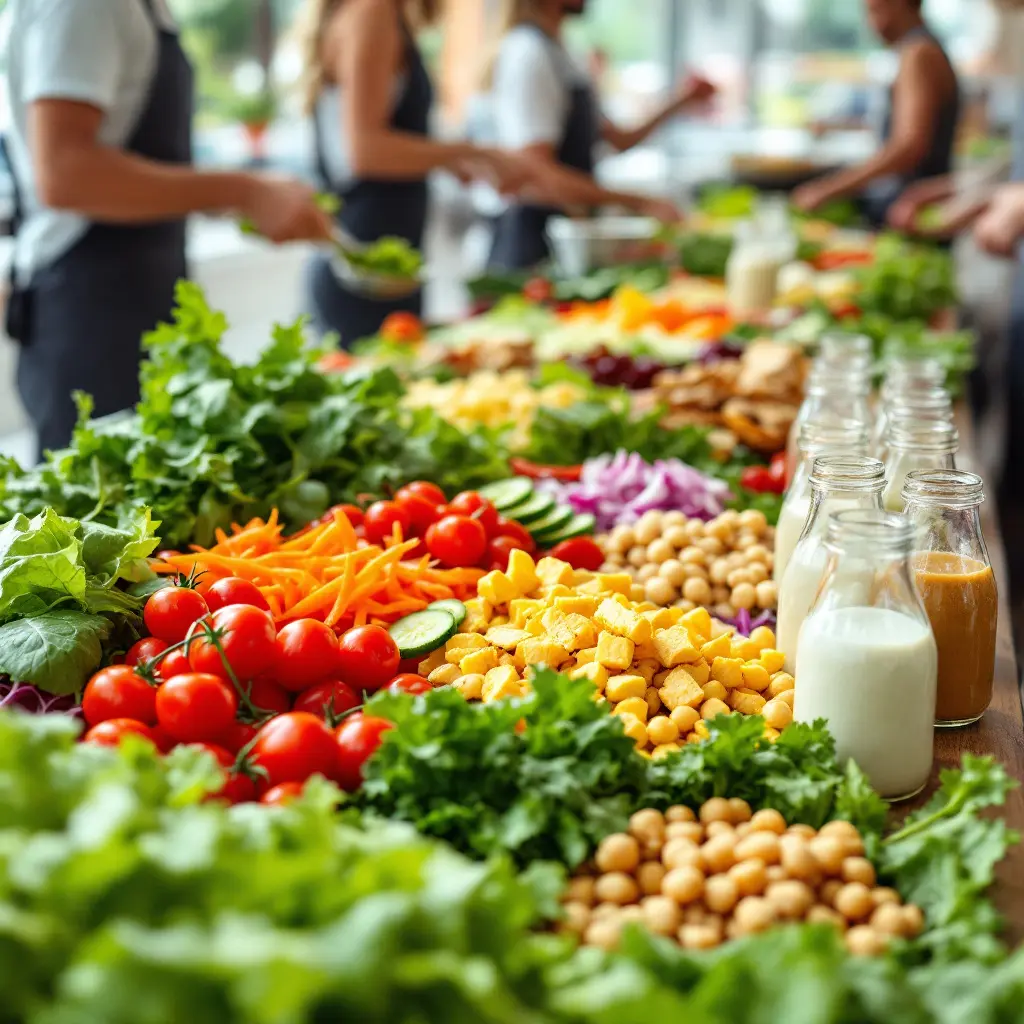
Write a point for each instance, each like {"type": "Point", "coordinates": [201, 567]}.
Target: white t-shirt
{"type": "Point", "coordinates": [100, 52]}
{"type": "Point", "coordinates": [533, 79]}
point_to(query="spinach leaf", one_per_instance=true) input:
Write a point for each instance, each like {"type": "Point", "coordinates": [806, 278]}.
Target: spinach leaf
{"type": "Point", "coordinates": [56, 651]}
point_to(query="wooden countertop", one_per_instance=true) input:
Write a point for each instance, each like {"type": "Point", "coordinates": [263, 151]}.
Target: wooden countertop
{"type": "Point", "coordinates": [1001, 731]}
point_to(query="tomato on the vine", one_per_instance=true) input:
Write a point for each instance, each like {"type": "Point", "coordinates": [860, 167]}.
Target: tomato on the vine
{"type": "Point", "coordinates": [117, 692]}
{"type": "Point", "coordinates": [233, 590]}
{"type": "Point", "coordinates": [580, 553]}
{"type": "Point", "coordinates": [510, 528]}
{"type": "Point", "coordinates": [169, 613]}
{"type": "Point", "coordinates": [476, 506]}
{"type": "Point", "coordinates": [196, 708]}
{"type": "Point", "coordinates": [165, 742]}
{"type": "Point", "coordinates": [111, 732]}
{"type": "Point", "coordinates": [367, 657]}
{"type": "Point", "coordinates": [379, 521]}
{"type": "Point", "coordinates": [408, 682]}
{"type": "Point", "coordinates": [173, 664]}
{"type": "Point", "coordinates": [267, 695]}
{"type": "Point", "coordinates": [538, 290]}
{"type": "Point", "coordinates": [420, 511]}
{"type": "Point", "coordinates": [357, 738]}
{"type": "Point", "coordinates": [294, 746]}
{"type": "Point", "coordinates": [306, 654]}
{"type": "Point", "coordinates": [327, 700]}
{"type": "Point", "coordinates": [761, 480]}
{"type": "Point", "coordinates": [247, 638]}
{"type": "Point", "coordinates": [423, 489]}
{"type": "Point", "coordinates": [283, 793]}
{"type": "Point", "coordinates": [457, 540]}
{"type": "Point", "coordinates": [238, 787]}
{"type": "Point", "coordinates": [142, 650]}
{"type": "Point", "coordinates": [498, 551]}
{"type": "Point", "coordinates": [236, 736]}
{"type": "Point", "coordinates": [353, 513]}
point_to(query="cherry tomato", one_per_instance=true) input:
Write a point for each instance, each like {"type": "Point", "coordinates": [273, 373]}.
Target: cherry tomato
{"type": "Point", "coordinates": [235, 591]}
{"type": "Point", "coordinates": [284, 793]}
{"type": "Point", "coordinates": [237, 788]}
{"type": "Point", "coordinates": [294, 746]}
{"type": "Point", "coordinates": [353, 513]}
{"type": "Point", "coordinates": [169, 613]}
{"type": "Point", "coordinates": [367, 657]}
{"type": "Point", "coordinates": [357, 738]}
{"type": "Point", "coordinates": [117, 692]}
{"type": "Point", "coordinates": [173, 664]}
{"type": "Point", "coordinates": [510, 528]}
{"type": "Point", "coordinates": [498, 551]}
{"type": "Point", "coordinates": [111, 732]}
{"type": "Point", "coordinates": [407, 682]}
{"type": "Point", "coordinates": [457, 540]}
{"type": "Point", "coordinates": [778, 468]}
{"type": "Point", "coordinates": [761, 480]}
{"type": "Point", "coordinates": [537, 471]}
{"type": "Point", "coordinates": [306, 654]}
{"type": "Point", "coordinates": [410, 666]}
{"type": "Point", "coordinates": [248, 643]}
{"type": "Point", "coordinates": [165, 743]}
{"type": "Point", "coordinates": [402, 326]}
{"type": "Point", "coordinates": [474, 505]}
{"type": "Point", "coordinates": [196, 708]}
{"type": "Point", "coordinates": [267, 695]}
{"type": "Point", "coordinates": [431, 492]}
{"type": "Point", "coordinates": [336, 697]}
{"type": "Point", "coordinates": [236, 736]}
{"type": "Point", "coordinates": [538, 289]}
{"type": "Point", "coordinates": [380, 518]}
{"type": "Point", "coordinates": [580, 553]}
{"type": "Point", "coordinates": [166, 554]}
{"type": "Point", "coordinates": [144, 649]}
{"type": "Point", "coordinates": [420, 511]}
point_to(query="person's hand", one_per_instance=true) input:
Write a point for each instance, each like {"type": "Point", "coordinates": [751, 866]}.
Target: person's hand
{"type": "Point", "coordinates": [694, 89]}
{"type": "Point", "coordinates": [661, 210]}
{"type": "Point", "coordinates": [903, 213]}
{"type": "Point", "coordinates": [283, 209]}
{"type": "Point", "coordinates": [508, 173]}
{"type": "Point", "coordinates": [1000, 229]}
{"type": "Point", "coordinates": [810, 196]}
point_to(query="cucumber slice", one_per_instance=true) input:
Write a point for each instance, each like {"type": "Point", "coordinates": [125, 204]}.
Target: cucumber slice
{"type": "Point", "coordinates": [456, 609]}
{"type": "Point", "coordinates": [552, 522]}
{"type": "Point", "coordinates": [576, 527]}
{"type": "Point", "coordinates": [422, 632]}
{"type": "Point", "coordinates": [506, 494]}
{"type": "Point", "coordinates": [535, 507]}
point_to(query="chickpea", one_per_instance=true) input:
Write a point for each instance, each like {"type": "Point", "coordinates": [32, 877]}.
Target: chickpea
{"type": "Point", "coordinates": [650, 848]}
{"type": "Point", "coordinates": [648, 528]}
{"type": "Point", "coordinates": [743, 829]}
{"type": "Point", "coordinates": [736, 577]}
{"type": "Point", "coordinates": [677, 536]}
{"type": "Point", "coordinates": [721, 894]}
{"type": "Point", "coordinates": [605, 910]}
{"type": "Point", "coordinates": [719, 853]}
{"type": "Point", "coordinates": [858, 869]}
{"type": "Point", "coordinates": [683, 884]}
{"type": "Point", "coordinates": [913, 920]}
{"type": "Point", "coordinates": [719, 529]}
{"type": "Point", "coordinates": [767, 594]}
{"type": "Point", "coordinates": [745, 539]}
{"type": "Point", "coordinates": [674, 518]}
{"type": "Point", "coordinates": [828, 851]}
{"type": "Point", "coordinates": [695, 913]}
{"type": "Point", "coordinates": [714, 707]}
{"type": "Point", "coordinates": [679, 812]}
{"type": "Point", "coordinates": [698, 936]}
{"type": "Point", "coordinates": [617, 887]}
{"type": "Point", "coordinates": [718, 572]}
{"type": "Point", "coordinates": [865, 941]}
{"type": "Point", "coordinates": [660, 591]}
{"type": "Point", "coordinates": [661, 915]}
{"type": "Point", "coordinates": [757, 572]}
{"type": "Point", "coordinates": [840, 828]}
{"type": "Point", "coordinates": [637, 556]}
{"type": "Point", "coordinates": [820, 914]}
{"type": "Point", "coordinates": [577, 918]}
{"type": "Point", "coordinates": [604, 933]}
{"type": "Point", "coordinates": [724, 610]}
{"type": "Point", "coordinates": [636, 592]}
{"type": "Point", "coordinates": [719, 595]}
{"type": "Point", "coordinates": [679, 853]}
{"type": "Point", "coordinates": [753, 914]}
{"type": "Point", "coordinates": [787, 697]}
{"type": "Point", "coordinates": [777, 714]}
{"type": "Point", "coordinates": [618, 852]}
{"type": "Point", "coordinates": [647, 823]}
{"type": "Point", "coordinates": [888, 919]}
{"type": "Point", "coordinates": [631, 913]}
{"type": "Point", "coordinates": [694, 571]}
{"type": "Point", "coordinates": [775, 873]}
{"type": "Point", "coordinates": [791, 898]}
{"type": "Point", "coordinates": [691, 831]}
{"type": "Point", "coordinates": [750, 877]}
{"type": "Point", "coordinates": [768, 820]}
{"type": "Point", "coordinates": [854, 901]}
{"type": "Point", "coordinates": [883, 894]}
{"type": "Point", "coordinates": [660, 550]}
{"type": "Point", "coordinates": [686, 606]}
{"type": "Point", "coordinates": [743, 596]}
{"type": "Point", "coordinates": [649, 877]}
{"type": "Point", "coordinates": [753, 520]}
{"type": "Point", "coordinates": [581, 890]}
{"type": "Point", "coordinates": [646, 572]}
{"type": "Point", "coordinates": [694, 555]}
{"type": "Point", "coordinates": [621, 539]}
{"type": "Point", "coordinates": [798, 860]}
{"type": "Point", "coordinates": [780, 683]}
{"type": "Point", "coordinates": [685, 718]}
{"type": "Point", "coordinates": [672, 572]}
{"type": "Point", "coordinates": [758, 553]}
{"type": "Point", "coordinates": [661, 729]}
{"type": "Point", "coordinates": [829, 890]}
{"type": "Point", "coordinates": [715, 809]}
{"type": "Point", "coordinates": [804, 831]}
{"type": "Point", "coordinates": [664, 749]}
{"type": "Point", "coordinates": [713, 829]}
{"type": "Point", "coordinates": [710, 546]}
{"type": "Point", "coordinates": [762, 845]}
{"type": "Point", "coordinates": [697, 590]}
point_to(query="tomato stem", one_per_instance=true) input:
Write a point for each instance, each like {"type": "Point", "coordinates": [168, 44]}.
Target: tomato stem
{"type": "Point", "coordinates": [212, 635]}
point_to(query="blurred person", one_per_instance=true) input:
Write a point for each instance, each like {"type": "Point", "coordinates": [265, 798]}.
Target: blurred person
{"type": "Point", "coordinates": [100, 95]}
{"type": "Point", "coordinates": [920, 121]}
{"type": "Point", "coordinates": [546, 108]}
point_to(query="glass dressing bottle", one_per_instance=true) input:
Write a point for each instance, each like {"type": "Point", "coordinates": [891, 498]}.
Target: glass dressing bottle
{"type": "Point", "coordinates": [832, 395]}
{"type": "Point", "coordinates": [917, 445]}
{"type": "Point", "coordinates": [926, 402]}
{"type": "Point", "coordinates": [846, 437]}
{"type": "Point", "coordinates": [751, 274]}
{"type": "Point", "coordinates": [846, 350]}
{"type": "Point", "coordinates": [955, 579]}
{"type": "Point", "coordinates": [837, 482]}
{"type": "Point", "coordinates": [866, 659]}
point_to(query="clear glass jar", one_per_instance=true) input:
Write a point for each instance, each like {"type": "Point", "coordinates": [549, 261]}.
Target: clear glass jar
{"type": "Point", "coordinates": [955, 579]}
{"type": "Point", "coordinates": [866, 659]}
{"type": "Point", "coordinates": [927, 401]}
{"type": "Point", "coordinates": [917, 445]}
{"type": "Point", "coordinates": [848, 437]}
{"type": "Point", "coordinates": [837, 482]}
{"type": "Point", "coordinates": [846, 350]}
{"type": "Point", "coordinates": [832, 396]}
{"type": "Point", "coordinates": [915, 370]}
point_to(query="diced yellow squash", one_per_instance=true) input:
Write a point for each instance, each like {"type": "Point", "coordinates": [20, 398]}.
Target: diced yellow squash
{"type": "Point", "coordinates": [471, 687]}
{"type": "Point", "coordinates": [549, 592]}
{"type": "Point", "coordinates": [700, 670]}
{"type": "Point", "coordinates": [520, 609]}
{"type": "Point", "coordinates": [714, 690]}
{"type": "Point", "coordinates": [580, 576]}
{"type": "Point", "coordinates": [727, 671]}
{"type": "Point", "coordinates": [660, 618]}
{"type": "Point", "coordinates": [508, 659]}
{"type": "Point", "coordinates": [478, 616]}
{"type": "Point", "coordinates": [479, 661]}
{"type": "Point", "coordinates": [592, 587]}
{"type": "Point", "coordinates": [675, 646]}
{"type": "Point", "coordinates": [614, 651]}
{"type": "Point", "coordinates": [435, 659]}
{"type": "Point", "coordinates": [577, 605]}
{"type": "Point", "coordinates": [586, 656]}
{"type": "Point", "coordinates": [720, 647]}
{"type": "Point", "coordinates": [622, 687]}
{"type": "Point", "coordinates": [646, 667]}
{"type": "Point", "coordinates": [755, 676]}
{"type": "Point", "coordinates": [616, 582]}
{"type": "Point", "coordinates": [522, 571]}
{"type": "Point", "coordinates": [497, 588]}
{"type": "Point", "coordinates": [763, 638]}
{"type": "Point", "coordinates": [553, 570]}
{"type": "Point", "coordinates": [535, 626]}
{"type": "Point", "coordinates": [506, 637]}
{"type": "Point", "coordinates": [646, 651]}
{"type": "Point", "coordinates": [772, 660]}
{"type": "Point", "coordinates": [596, 673]}
{"type": "Point", "coordinates": [635, 706]}
{"type": "Point", "coordinates": [540, 651]}
{"type": "Point", "coordinates": [745, 703]}
{"type": "Point", "coordinates": [699, 621]}
{"type": "Point", "coordinates": [444, 674]}
{"type": "Point", "coordinates": [466, 642]}
{"type": "Point", "coordinates": [610, 615]}
{"type": "Point", "coordinates": [500, 682]}
{"type": "Point", "coordinates": [680, 689]}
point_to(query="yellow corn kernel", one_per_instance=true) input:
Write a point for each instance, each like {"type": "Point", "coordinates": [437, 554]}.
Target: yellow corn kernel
{"type": "Point", "coordinates": [777, 713]}
{"type": "Point", "coordinates": [500, 682]}
{"type": "Point", "coordinates": [433, 660]}
{"type": "Point", "coordinates": [497, 588]}
{"type": "Point", "coordinates": [680, 689]}
{"type": "Point", "coordinates": [695, 737]}
{"type": "Point", "coordinates": [634, 729]}
{"type": "Point", "coordinates": [611, 616]}
{"type": "Point", "coordinates": [623, 686]}
{"type": "Point", "coordinates": [471, 686]}
{"type": "Point", "coordinates": [780, 683]}
{"type": "Point", "coordinates": [444, 674]}
{"type": "Point", "coordinates": [763, 637]}
{"type": "Point", "coordinates": [586, 656]}
{"type": "Point", "coordinates": [720, 647]}
{"type": "Point", "coordinates": [702, 730]}
{"type": "Point", "coordinates": [755, 676]}
{"type": "Point", "coordinates": [715, 691]}
{"type": "Point", "coordinates": [664, 749]}
{"type": "Point", "coordinates": [772, 660]}
{"type": "Point", "coordinates": [577, 605]}
{"type": "Point", "coordinates": [596, 673]}
{"type": "Point", "coordinates": [744, 649]}
{"type": "Point", "coordinates": [744, 702]}
{"type": "Point", "coordinates": [646, 667]}
{"type": "Point", "coordinates": [675, 646]}
{"type": "Point", "coordinates": [522, 571]}
{"type": "Point", "coordinates": [540, 651]}
{"type": "Point", "coordinates": [788, 696]}
{"type": "Point", "coordinates": [614, 651]}
{"type": "Point", "coordinates": [712, 708]}
{"type": "Point", "coordinates": [661, 729]}
{"type": "Point", "coordinates": [479, 661]}
{"type": "Point", "coordinates": [699, 621]}
{"type": "Point", "coordinates": [727, 671]}
{"type": "Point", "coordinates": [553, 570]}
{"type": "Point", "coordinates": [684, 718]}
{"type": "Point", "coordinates": [660, 618]}
{"type": "Point", "coordinates": [653, 700]}
{"type": "Point", "coordinates": [615, 582]}
{"type": "Point", "coordinates": [635, 706]}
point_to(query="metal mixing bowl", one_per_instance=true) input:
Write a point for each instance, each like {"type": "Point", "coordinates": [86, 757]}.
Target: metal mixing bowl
{"type": "Point", "coordinates": [582, 245]}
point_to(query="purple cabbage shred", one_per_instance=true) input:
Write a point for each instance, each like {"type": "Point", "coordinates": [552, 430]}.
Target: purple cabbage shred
{"type": "Point", "coordinates": [35, 701]}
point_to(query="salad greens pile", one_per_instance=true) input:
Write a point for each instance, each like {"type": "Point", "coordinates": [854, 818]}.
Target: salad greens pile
{"type": "Point", "coordinates": [213, 442]}
{"type": "Point", "coordinates": [61, 606]}
{"type": "Point", "coordinates": [389, 256]}
{"type": "Point", "coordinates": [906, 281]}
{"type": "Point", "coordinates": [598, 284]}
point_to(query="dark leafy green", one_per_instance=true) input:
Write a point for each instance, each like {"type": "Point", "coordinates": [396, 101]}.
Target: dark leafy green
{"type": "Point", "coordinates": [704, 255]}
{"type": "Point", "coordinates": [907, 281]}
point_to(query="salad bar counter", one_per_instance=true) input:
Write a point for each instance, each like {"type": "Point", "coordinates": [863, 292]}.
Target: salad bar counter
{"type": "Point", "coordinates": [623, 653]}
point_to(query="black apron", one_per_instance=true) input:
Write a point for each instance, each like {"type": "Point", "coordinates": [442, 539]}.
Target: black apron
{"type": "Point", "coordinates": [1013, 479]}
{"type": "Point", "coordinates": [372, 208]}
{"type": "Point", "coordinates": [81, 319]}
{"type": "Point", "coordinates": [520, 233]}
{"type": "Point", "coordinates": [879, 196]}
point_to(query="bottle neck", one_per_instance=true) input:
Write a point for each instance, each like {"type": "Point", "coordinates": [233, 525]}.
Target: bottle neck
{"type": "Point", "coordinates": [825, 501]}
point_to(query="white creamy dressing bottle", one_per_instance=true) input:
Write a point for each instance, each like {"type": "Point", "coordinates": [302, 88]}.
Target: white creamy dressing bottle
{"type": "Point", "coordinates": [866, 659]}
{"type": "Point", "coordinates": [838, 482]}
